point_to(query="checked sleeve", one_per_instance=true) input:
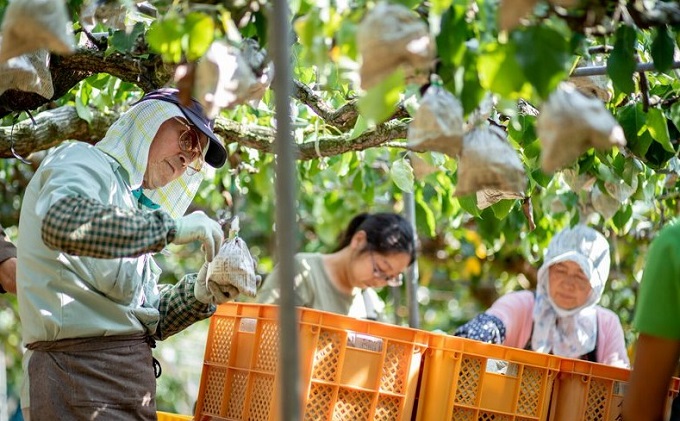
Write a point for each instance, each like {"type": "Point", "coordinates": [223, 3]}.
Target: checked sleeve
{"type": "Point", "coordinates": [85, 227]}
{"type": "Point", "coordinates": [484, 327]}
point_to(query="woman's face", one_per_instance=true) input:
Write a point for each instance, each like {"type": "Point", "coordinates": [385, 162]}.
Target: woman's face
{"type": "Point", "coordinates": [568, 286]}
{"type": "Point", "coordinates": [167, 161]}
{"type": "Point", "coordinates": [375, 270]}
{"type": "Point", "coordinates": [371, 269]}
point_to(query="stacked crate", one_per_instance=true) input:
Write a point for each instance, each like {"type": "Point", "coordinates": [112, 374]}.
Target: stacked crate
{"type": "Point", "coordinates": [350, 369]}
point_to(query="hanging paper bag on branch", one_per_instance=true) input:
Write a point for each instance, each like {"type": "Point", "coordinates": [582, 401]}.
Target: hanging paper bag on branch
{"type": "Point", "coordinates": [28, 73]}
{"type": "Point", "coordinates": [571, 123]}
{"type": "Point", "coordinates": [234, 265]}
{"type": "Point", "coordinates": [438, 123]}
{"type": "Point", "coordinates": [592, 86]}
{"type": "Point", "coordinates": [488, 162]}
{"type": "Point", "coordinates": [389, 36]}
{"type": "Point", "coordinates": [30, 25]}
{"type": "Point", "coordinates": [224, 79]}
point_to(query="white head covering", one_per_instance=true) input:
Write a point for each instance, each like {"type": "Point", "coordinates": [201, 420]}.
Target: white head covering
{"type": "Point", "coordinates": [128, 141]}
{"type": "Point", "coordinates": [571, 333]}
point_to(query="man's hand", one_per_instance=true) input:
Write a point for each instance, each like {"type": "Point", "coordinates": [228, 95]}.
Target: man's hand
{"type": "Point", "coordinates": [197, 226]}
{"type": "Point", "coordinates": [209, 292]}
{"type": "Point", "coordinates": [8, 275]}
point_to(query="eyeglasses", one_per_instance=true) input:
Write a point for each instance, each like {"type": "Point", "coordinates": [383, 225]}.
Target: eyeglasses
{"type": "Point", "coordinates": [393, 281]}
{"type": "Point", "coordinates": [190, 142]}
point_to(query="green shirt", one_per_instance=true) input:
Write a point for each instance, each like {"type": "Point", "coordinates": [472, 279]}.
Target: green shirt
{"type": "Point", "coordinates": [658, 305]}
{"type": "Point", "coordinates": [314, 289]}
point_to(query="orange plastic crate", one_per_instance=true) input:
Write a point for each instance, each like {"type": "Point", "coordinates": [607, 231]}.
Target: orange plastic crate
{"type": "Point", "coordinates": [167, 416]}
{"type": "Point", "coordinates": [593, 392]}
{"type": "Point", "coordinates": [466, 380]}
{"type": "Point", "coordinates": [350, 369]}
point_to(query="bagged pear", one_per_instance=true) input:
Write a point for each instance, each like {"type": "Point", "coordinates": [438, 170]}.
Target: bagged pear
{"type": "Point", "coordinates": [438, 123]}
{"type": "Point", "coordinates": [29, 73]}
{"type": "Point", "coordinates": [571, 123]}
{"type": "Point", "coordinates": [389, 36]}
{"type": "Point", "coordinates": [30, 25]}
{"type": "Point", "coordinates": [488, 162]}
{"type": "Point", "coordinates": [234, 265]}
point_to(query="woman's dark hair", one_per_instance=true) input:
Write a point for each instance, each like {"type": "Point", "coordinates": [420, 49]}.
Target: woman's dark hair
{"type": "Point", "coordinates": [386, 233]}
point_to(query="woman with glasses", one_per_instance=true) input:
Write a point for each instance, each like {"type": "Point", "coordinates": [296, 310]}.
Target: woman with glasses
{"type": "Point", "coordinates": [92, 219]}
{"type": "Point", "coordinates": [373, 252]}
{"type": "Point", "coordinates": [562, 317]}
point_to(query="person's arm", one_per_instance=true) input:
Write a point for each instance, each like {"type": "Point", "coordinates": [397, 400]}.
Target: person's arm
{"type": "Point", "coordinates": [8, 275]}
{"type": "Point", "coordinates": [179, 307]}
{"type": "Point", "coordinates": [611, 344]}
{"type": "Point", "coordinates": [8, 265]}
{"type": "Point", "coordinates": [83, 226]}
{"type": "Point", "coordinates": [655, 361]}
{"type": "Point", "coordinates": [515, 310]}
{"type": "Point", "coordinates": [657, 319]}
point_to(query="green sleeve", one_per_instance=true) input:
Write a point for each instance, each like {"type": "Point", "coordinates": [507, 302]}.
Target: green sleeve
{"type": "Point", "coordinates": [658, 303]}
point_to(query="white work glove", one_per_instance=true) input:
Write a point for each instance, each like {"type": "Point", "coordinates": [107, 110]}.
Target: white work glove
{"type": "Point", "coordinates": [197, 226]}
{"type": "Point", "coordinates": [209, 292]}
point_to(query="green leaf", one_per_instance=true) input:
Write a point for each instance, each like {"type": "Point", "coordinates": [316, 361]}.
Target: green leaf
{"type": "Point", "coordinates": [656, 123]}
{"type": "Point", "coordinates": [499, 70]}
{"type": "Point", "coordinates": [200, 30]}
{"type": "Point", "coordinates": [472, 92]}
{"type": "Point", "coordinates": [469, 204]}
{"type": "Point", "coordinates": [662, 49]}
{"type": "Point", "coordinates": [503, 207]}
{"type": "Point", "coordinates": [621, 218]}
{"type": "Point", "coordinates": [381, 101]}
{"type": "Point", "coordinates": [425, 220]}
{"type": "Point", "coordinates": [542, 54]}
{"type": "Point", "coordinates": [360, 126]}
{"type": "Point", "coordinates": [633, 121]}
{"type": "Point", "coordinates": [123, 42]}
{"type": "Point", "coordinates": [165, 37]}
{"type": "Point", "coordinates": [451, 38]}
{"type": "Point", "coordinates": [621, 64]}
{"type": "Point", "coordinates": [675, 114]}
{"type": "Point", "coordinates": [402, 175]}
{"type": "Point", "coordinates": [83, 110]}
{"type": "Point", "coordinates": [438, 6]}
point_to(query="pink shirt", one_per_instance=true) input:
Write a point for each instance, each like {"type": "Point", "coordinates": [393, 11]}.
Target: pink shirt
{"type": "Point", "coordinates": [515, 311]}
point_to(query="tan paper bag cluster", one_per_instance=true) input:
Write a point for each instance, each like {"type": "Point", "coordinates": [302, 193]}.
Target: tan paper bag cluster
{"type": "Point", "coordinates": [390, 36]}
{"type": "Point", "coordinates": [571, 123]}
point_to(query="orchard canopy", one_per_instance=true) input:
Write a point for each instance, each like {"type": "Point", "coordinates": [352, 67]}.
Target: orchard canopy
{"type": "Point", "coordinates": [499, 62]}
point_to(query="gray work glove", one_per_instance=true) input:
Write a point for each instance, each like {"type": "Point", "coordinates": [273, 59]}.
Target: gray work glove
{"type": "Point", "coordinates": [197, 226]}
{"type": "Point", "coordinates": [210, 292]}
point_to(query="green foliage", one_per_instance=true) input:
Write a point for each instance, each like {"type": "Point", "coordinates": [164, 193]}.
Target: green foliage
{"type": "Point", "coordinates": [621, 63]}
{"type": "Point", "coordinates": [468, 256]}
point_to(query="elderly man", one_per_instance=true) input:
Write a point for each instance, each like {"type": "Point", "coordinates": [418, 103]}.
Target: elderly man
{"type": "Point", "coordinates": [91, 219]}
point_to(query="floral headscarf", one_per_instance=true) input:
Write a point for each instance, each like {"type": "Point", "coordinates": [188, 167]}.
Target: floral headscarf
{"type": "Point", "coordinates": [128, 141]}
{"type": "Point", "coordinates": [571, 333]}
